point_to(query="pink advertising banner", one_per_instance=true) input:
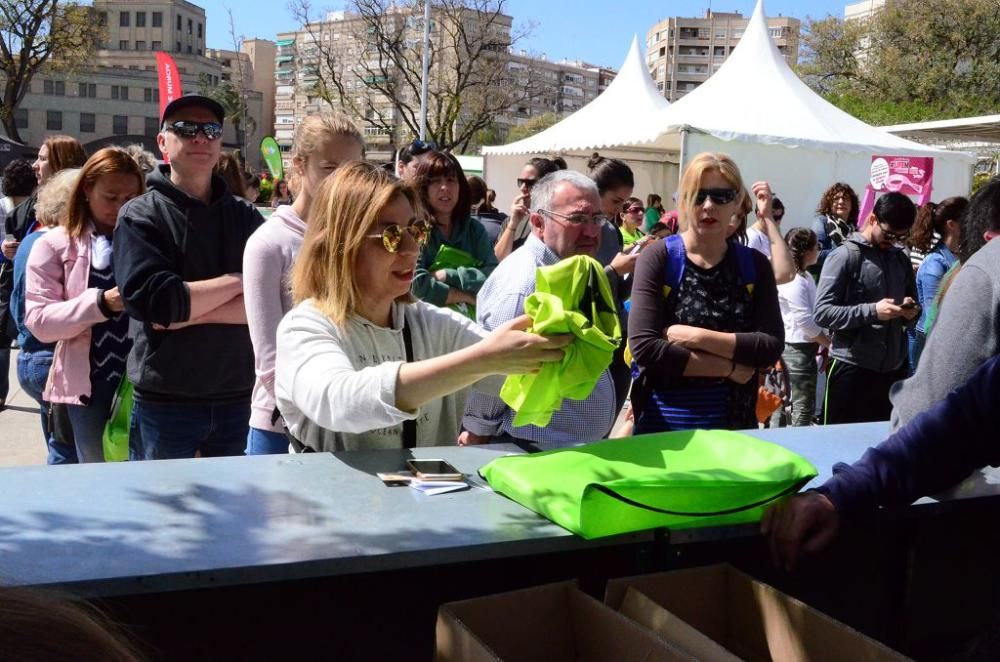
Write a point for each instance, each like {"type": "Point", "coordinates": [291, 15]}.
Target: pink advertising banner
{"type": "Point", "coordinates": [909, 175]}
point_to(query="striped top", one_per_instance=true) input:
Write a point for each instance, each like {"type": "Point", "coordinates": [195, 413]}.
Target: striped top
{"type": "Point", "coordinates": [109, 340]}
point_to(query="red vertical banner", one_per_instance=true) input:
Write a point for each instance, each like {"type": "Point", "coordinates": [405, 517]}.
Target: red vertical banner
{"type": "Point", "coordinates": [170, 82]}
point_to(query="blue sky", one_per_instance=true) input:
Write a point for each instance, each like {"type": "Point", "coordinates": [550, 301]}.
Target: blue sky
{"type": "Point", "coordinates": [595, 31]}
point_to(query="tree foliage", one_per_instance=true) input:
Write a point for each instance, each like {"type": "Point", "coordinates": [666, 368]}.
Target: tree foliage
{"type": "Point", "coordinates": [912, 61]}
{"type": "Point", "coordinates": [369, 65]}
{"type": "Point", "coordinates": [60, 36]}
{"type": "Point", "coordinates": [535, 125]}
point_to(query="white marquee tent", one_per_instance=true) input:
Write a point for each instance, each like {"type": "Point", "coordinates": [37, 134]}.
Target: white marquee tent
{"type": "Point", "coordinates": [618, 123]}
{"type": "Point", "coordinates": [756, 109]}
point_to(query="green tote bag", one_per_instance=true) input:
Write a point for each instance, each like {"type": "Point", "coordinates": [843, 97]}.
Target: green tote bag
{"type": "Point", "coordinates": [674, 480]}
{"type": "Point", "coordinates": [116, 430]}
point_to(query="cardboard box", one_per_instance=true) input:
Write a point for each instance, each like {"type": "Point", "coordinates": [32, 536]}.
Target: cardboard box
{"type": "Point", "coordinates": [551, 623]}
{"type": "Point", "coordinates": [721, 614]}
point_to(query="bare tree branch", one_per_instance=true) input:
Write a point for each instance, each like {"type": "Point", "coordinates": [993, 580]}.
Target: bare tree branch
{"type": "Point", "coordinates": [372, 70]}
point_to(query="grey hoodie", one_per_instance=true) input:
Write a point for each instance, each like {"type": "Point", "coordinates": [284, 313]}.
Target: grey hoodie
{"type": "Point", "coordinates": [845, 304]}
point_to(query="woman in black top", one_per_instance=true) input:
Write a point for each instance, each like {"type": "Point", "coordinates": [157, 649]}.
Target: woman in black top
{"type": "Point", "coordinates": [705, 310]}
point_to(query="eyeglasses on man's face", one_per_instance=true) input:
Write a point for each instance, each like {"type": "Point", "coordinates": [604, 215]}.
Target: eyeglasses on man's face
{"type": "Point", "coordinates": [577, 220]}
{"type": "Point", "coordinates": [889, 235]}
{"type": "Point", "coordinates": [392, 236]}
{"type": "Point", "coordinates": [187, 129]}
{"type": "Point", "coordinates": [718, 196]}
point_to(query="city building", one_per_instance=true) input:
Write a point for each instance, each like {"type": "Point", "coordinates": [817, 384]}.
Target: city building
{"type": "Point", "coordinates": [859, 11]}
{"type": "Point", "coordinates": [115, 98]}
{"type": "Point", "coordinates": [340, 40]}
{"type": "Point", "coordinates": [683, 52]}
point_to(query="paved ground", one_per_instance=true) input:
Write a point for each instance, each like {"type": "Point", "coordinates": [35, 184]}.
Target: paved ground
{"type": "Point", "coordinates": [20, 429]}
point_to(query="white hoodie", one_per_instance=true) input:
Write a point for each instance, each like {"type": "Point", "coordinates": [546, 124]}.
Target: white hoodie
{"type": "Point", "coordinates": [336, 387]}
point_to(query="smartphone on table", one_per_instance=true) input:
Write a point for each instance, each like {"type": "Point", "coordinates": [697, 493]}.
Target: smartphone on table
{"type": "Point", "coordinates": [434, 470]}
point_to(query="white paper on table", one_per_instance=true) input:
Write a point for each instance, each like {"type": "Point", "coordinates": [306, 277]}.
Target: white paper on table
{"type": "Point", "coordinates": [432, 487]}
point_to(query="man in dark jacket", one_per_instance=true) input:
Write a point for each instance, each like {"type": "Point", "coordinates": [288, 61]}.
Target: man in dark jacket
{"type": "Point", "coordinates": [178, 253]}
{"type": "Point", "coordinates": [866, 298]}
{"type": "Point", "coordinates": [934, 451]}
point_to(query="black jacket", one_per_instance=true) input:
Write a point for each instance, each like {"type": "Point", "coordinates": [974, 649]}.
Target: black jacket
{"type": "Point", "coordinates": [164, 239]}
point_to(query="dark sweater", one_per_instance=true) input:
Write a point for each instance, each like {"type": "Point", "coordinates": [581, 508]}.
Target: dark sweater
{"type": "Point", "coordinates": [164, 239]}
{"type": "Point", "coordinates": [664, 362]}
{"type": "Point", "coordinates": [934, 451]}
{"type": "Point", "coordinates": [707, 298]}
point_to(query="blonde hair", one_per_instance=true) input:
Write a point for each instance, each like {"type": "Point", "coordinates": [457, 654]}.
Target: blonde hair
{"type": "Point", "coordinates": [108, 161]}
{"type": "Point", "coordinates": [691, 181]}
{"type": "Point", "coordinates": [345, 211]}
{"type": "Point", "coordinates": [311, 133]}
{"type": "Point", "coordinates": [50, 205]}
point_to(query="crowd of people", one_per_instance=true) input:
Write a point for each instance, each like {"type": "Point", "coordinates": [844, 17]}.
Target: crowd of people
{"type": "Point", "coordinates": [381, 307]}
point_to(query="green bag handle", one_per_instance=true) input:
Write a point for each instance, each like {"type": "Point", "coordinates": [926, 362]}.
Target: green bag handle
{"type": "Point", "coordinates": [792, 489]}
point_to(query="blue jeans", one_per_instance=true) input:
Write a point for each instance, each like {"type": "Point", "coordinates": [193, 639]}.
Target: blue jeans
{"type": "Point", "coordinates": [88, 421]}
{"type": "Point", "coordinates": [32, 373]}
{"type": "Point", "coordinates": [265, 442]}
{"type": "Point", "coordinates": [171, 431]}
{"type": "Point", "coordinates": [917, 340]}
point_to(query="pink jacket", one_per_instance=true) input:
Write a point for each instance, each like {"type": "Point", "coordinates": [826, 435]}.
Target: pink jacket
{"type": "Point", "coordinates": [59, 307]}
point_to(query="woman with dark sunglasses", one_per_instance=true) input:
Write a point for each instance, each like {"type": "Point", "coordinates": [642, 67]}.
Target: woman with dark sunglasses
{"type": "Point", "coordinates": [705, 313]}
{"type": "Point", "coordinates": [515, 232]}
{"type": "Point", "coordinates": [360, 364]}
{"type": "Point", "coordinates": [630, 221]}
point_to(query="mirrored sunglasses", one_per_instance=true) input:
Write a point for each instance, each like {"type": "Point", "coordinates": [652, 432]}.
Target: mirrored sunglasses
{"type": "Point", "coordinates": [186, 129]}
{"type": "Point", "coordinates": [392, 236]}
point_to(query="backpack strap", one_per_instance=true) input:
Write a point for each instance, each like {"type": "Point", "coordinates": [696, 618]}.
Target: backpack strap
{"type": "Point", "coordinates": [409, 426]}
{"type": "Point", "coordinates": [673, 268]}
{"type": "Point", "coordinates": [744, 262]}
{"type": "Point", "coordinates": [853, 260]}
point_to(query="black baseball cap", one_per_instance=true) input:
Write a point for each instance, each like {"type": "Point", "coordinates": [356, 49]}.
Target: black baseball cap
{"type": "Point", "coordinates": [194, 100]}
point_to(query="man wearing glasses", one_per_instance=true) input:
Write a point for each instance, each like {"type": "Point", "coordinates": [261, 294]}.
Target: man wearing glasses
{"type": "Point", "coordinates": [178, 254]}
{"type": "Point", "coordinates": [566, 220]}
{"type": "Point", "coordinates": [866, 298]}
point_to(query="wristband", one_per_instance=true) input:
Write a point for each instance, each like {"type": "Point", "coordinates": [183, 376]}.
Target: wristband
{"type": "Point", "coordinates": [102, 305]}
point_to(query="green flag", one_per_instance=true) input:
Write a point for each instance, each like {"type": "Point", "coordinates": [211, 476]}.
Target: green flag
{"type": "Point", "coordinates": [272, 157]}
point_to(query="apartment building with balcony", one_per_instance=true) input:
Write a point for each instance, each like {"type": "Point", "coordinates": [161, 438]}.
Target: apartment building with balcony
{"type": "Point", "coordinates": [683, 52]}
{"type": "Point", "coordinates": [115, 98]}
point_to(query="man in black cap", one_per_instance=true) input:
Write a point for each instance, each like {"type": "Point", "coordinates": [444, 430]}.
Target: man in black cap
{"type": "Point", "coordinates": [178, 253]}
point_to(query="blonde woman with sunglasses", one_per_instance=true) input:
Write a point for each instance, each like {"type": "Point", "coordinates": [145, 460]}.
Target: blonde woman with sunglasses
{"type": "Point", "coordinates": [705, 313]}
{"type": "Point", "coordinates": [360, 364]}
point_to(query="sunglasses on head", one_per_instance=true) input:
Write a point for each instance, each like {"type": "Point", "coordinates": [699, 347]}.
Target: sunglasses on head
{"type": "Point", "coordinates": [418, 147]}
{"type": "Point", "coordinates": [524, 182]}
{"type": "Point", "coordinates": [719, 196]}
{"type": "Point", "coordinates": [392, 236]}
{"type": "Point", "coordinates": [186, 129]}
